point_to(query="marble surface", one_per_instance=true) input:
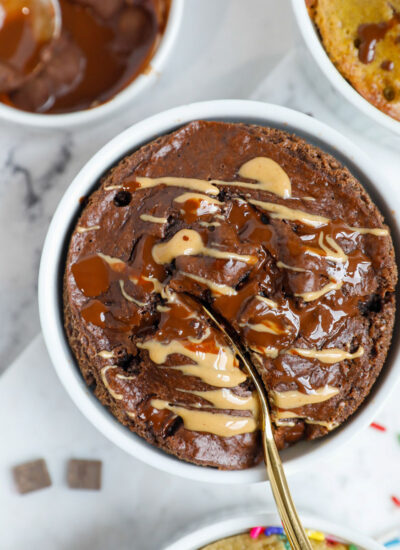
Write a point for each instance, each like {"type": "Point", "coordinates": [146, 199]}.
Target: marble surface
{"type": "Point", "coordinates": [224, 49]}
{"type": "Point", "coordinates": [140, 508]}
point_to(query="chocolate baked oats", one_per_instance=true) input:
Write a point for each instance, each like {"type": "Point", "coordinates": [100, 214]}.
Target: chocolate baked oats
{"type": "Point", "coordinates": [280, 239]}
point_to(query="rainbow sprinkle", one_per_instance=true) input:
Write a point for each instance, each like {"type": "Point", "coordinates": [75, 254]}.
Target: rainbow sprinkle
{"type": "Point", "coordinates": [256, 531]}
{"type": "Point", "coordinates": [352, 547]}
{"type": "Point", "coordinates": [378, 427]}
{"type": "Point", "coordinates": [395, 500]}
{"type": "Point", "coordinates": [273, 531]}
{"type": "Point", "coordinates": [315, 535]}
{"type": "Point", "coordinates": [393, 542]}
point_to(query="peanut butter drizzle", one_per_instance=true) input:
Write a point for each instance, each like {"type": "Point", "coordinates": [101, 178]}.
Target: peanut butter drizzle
{"type": "Point", "coordinates": [291, 268]}
{"type": "Point", "coordinates": [280, 419]}
{"type": "Point", "coordinates": [223, 425]}
{"type": "Point", "coordinates": [188, 242]}
{"type": "Point", "coordinates": [267, 301]}
{"type": "Point", "coordinates": [268, 174]}
{"type": "Point", "coordinates": [294, 399]}
{"type": "Point", "coordinates": [216, 288]}
{"type": "Point", "coordinates": [311, 296]}
{"type": "Point", "coordinates": [226, 399]}
{"type": "Point", "coordinates": [187, 183]}
{"type": "Point", "coordinates": [105, 354]}
{"type": "Point", "coordinates": [129, 298]}
{"type": "Point", "coordinates": [81, 229]}
{"type": "Point", "coordinates": [377, 231]}
{"type": "Point", "coordinates": [270, 327]}
{"type": "Point", "coordinates": [328, 356]}
{"type": "Point", "coordinates": [113, 393]}
{"type": "Point", "coordinates": [217, 369]}
{"type": "Point", "coordinates": [335, 252]}
{"type": "Point", "coordinates": [153, 219]}
{"type": "Point", "coordinates": [284, 213]}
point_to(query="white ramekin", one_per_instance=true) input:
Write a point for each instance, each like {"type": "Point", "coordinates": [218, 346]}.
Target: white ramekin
{"type": "Point", "coordinates": [121, 99]}
{"type": "Point", "coordinates": [236, 524]}
{"type": "Point", "coordinates": [317, 54]}
{"type": "Point", "coordinates": [301, 456]}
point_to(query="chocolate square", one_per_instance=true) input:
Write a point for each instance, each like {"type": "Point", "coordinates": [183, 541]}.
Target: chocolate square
{"type": "Point", "coordinates": [84, 474]}
{"type": "Point", "coordinates": [31, 476]}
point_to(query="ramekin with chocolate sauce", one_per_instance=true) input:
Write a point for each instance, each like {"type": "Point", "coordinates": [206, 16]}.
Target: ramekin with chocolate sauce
{"type": "Point", "coordinates": [230, 530]}
{"type": "Point", "coordinates": [106, 55]}
{"type": "Point", "coordinates": [354, 64]}
{"type": "Point", "coordinates": [285, 200]}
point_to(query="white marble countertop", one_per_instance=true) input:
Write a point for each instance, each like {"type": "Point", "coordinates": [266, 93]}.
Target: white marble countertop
{"type": "Point", "coordinates": [224, 49]}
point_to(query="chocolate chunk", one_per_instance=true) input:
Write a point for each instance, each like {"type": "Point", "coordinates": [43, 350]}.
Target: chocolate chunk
{"type": "Point", "coordinates": [122, 198]}
{"type": "Point", "coordinates": [389, 93]}
{"type": "Point", "coordinates": [31, 476]}
{"type": "Point", "coordinates": [84, 474]}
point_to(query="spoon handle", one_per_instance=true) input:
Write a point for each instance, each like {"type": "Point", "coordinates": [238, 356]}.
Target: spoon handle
{"type": "Point", "coordinates": [286, 508]}
{"type": "Point", "coordinates": [290, 520]}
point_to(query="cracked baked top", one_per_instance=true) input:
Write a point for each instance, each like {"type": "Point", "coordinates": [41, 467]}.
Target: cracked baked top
{"type": "Point", "coordinates": [362, 39]}
{"type": "Point", "coordinates": [280, 239]}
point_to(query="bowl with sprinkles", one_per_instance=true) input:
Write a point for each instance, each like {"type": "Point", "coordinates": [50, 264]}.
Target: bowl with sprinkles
{"type": "Point", "coordinates": [290, 238]}
{"type": "Point", "coordinates": [238, 532]}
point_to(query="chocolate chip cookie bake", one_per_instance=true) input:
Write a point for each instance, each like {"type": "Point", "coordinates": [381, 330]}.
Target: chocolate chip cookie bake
{"type": "Point", "coordinates": [280, 240]}
{"type": "Point", "coordinates": [362, 39]}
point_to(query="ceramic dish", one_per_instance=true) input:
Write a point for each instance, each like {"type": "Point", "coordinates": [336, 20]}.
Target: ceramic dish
{"type": "Point", "coordinates": [121, 99]}
{"type": "Point", "coordinates": [301, 456]}
{"type": "Point", "coordinates": [316, 51]}
{"type": "Point", "coordinates": [242, 523]}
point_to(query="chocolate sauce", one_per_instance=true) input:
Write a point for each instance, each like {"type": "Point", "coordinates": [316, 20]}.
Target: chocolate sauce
{"type": "Point", "coordinates": [94, 59]}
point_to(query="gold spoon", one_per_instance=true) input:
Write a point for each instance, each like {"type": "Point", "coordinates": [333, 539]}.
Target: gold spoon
{"type": "Point", "coordinates": [276, 475]}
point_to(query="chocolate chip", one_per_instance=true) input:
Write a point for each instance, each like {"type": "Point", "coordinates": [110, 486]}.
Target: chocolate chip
{"type": "Point", "coordinates": [264, 219]}
{"type": "Point", "coordinates": [387, 65]}
{"type": "Point", "coordinates": [84, 474]}
{"type": "Point", "coordinates": [31, 476]}
{"type": "Point", "coordinates": [389, 93]}
{"type": "Point", "coordinates": [126, 362]}
{"type": "Point", "coordinates": [122, 198]}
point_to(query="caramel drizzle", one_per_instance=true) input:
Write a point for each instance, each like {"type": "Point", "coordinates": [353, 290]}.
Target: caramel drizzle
{"type": "Point", "coordinates": [214, 203]}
